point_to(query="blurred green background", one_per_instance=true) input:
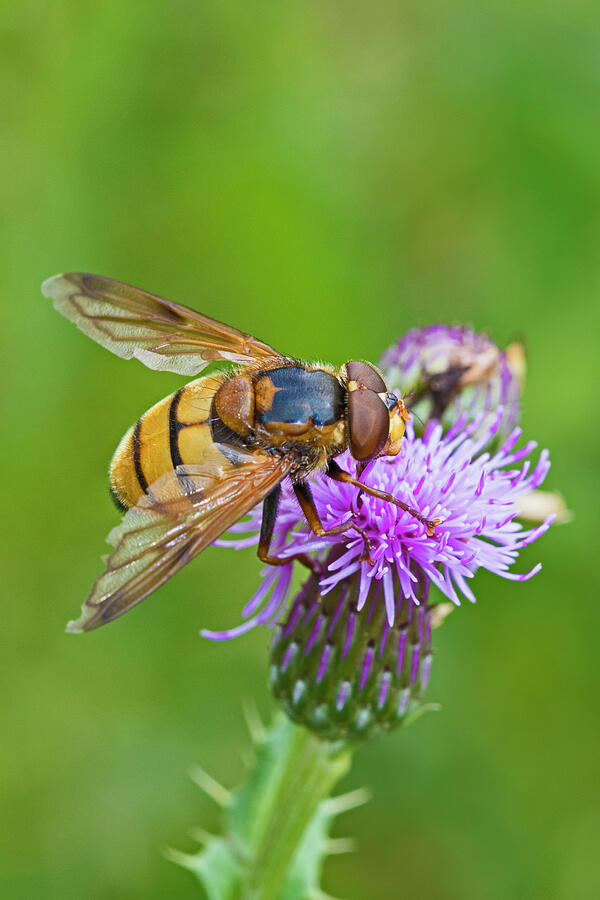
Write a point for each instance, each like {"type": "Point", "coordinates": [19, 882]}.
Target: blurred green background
{"type": "Point", "coordinates": [324, 175]}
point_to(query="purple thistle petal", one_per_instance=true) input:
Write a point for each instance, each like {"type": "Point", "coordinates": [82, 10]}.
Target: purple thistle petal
{"type": "Point", "coordinates": [229, 633]}
{"type": "Point", "coordinates": [363, 592]}
{"type": "Point", "coordinates": [390, 599]}
{"type": "Point", "coordinates": [513, 576]}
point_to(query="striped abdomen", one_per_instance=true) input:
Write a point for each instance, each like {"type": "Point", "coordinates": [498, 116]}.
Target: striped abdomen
{"type": "Point", "coordinates": [174, 432]}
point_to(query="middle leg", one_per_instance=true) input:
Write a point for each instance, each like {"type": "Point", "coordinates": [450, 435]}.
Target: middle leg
{"type": "Point", "coordinates": [269, 516]}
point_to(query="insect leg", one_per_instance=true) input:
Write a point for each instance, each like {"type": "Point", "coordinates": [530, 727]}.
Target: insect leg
{"type": "Point", "coordinates": [306, 501]}
{"type": "Point", "coordinates": [334, 471]}
{"type": "Point", "coordinates": [269, 517]}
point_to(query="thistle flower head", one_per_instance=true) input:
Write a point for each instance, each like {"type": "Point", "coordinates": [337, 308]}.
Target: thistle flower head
{"type": "Point", "coordinates": [445, 371]}
{"type": "Point", "coordinates": [352, 651]}
{"type": "Point", "coordinates": [449, 476]}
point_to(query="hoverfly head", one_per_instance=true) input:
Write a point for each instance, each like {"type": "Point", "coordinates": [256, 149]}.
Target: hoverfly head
{"type": "Point", "coordinates": [375, 416]}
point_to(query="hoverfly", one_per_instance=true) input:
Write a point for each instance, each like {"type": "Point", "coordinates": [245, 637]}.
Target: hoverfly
{"type": "Point", "coordinates": [203, 457]}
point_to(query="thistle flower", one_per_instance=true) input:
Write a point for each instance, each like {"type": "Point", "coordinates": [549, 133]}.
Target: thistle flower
{"type": "Point", "coordinates": [451, 476]}
{"type": "Point", "coordinates": [444, 371]}
{"type": "Point", "coordinates": [352, 652]}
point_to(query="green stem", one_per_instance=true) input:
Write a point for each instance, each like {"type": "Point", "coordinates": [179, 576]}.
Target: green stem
{"type": "Point", "coordinates": [310, 769]}
{"type": "Point", "coordinates": [277, 822]}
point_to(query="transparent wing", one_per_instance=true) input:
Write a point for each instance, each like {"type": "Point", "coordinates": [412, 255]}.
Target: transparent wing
{"type": "Point", "coordinates": [182, 513]}
{"type": "Point", "coordinates": [162, 334]}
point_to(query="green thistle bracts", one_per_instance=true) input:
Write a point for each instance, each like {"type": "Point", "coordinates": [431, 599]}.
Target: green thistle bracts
{"type": "Point", "coordinates": [345, 673]}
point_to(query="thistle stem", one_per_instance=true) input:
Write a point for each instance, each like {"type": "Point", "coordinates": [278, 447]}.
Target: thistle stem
{"type": "Point", "coordinates": [309, 771]}
{"type": "Point", "coordinates": [277, 822]}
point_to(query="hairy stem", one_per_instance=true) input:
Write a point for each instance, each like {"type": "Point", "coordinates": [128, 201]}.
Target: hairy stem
{"type": "Point", "coordinates": [277, 822]}
{"type": "Point", "coordinates": [310, 770]}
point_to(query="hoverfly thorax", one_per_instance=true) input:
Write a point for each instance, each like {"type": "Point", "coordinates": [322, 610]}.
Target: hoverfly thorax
{"type": "Point", "coordinates": [375, 416]}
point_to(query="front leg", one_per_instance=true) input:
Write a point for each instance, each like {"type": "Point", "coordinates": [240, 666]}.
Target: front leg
{"type": "Point", "coordinates": [334, 471]}
{"type": "Point", "coordinates": [306, 501]}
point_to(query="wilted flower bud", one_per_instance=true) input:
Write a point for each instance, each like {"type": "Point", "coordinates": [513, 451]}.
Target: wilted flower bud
{"type": "Point", "coordinates": [345, 672]}
{"type": "Point", "coordinates": [444, 372]}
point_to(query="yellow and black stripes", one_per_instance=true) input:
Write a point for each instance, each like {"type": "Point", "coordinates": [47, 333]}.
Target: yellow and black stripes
{"type": "Point", "coordinates": [174, 432]}
{"type": "Point", "coordinates": [136, 457]}
{"type": "Point", "coordinates": [175, 427]}
{"type": "Point", "coordinates": [286, 409]}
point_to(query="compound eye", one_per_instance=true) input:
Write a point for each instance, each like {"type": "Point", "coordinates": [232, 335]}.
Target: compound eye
{"type": "Point", "coordinates": [369, 424]}
{"type": "Point", "coordinates": [366, 376]}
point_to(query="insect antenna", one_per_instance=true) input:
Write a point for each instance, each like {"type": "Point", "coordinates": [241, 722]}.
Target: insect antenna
{"type": "Point", "coordinates": [414, 415]}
